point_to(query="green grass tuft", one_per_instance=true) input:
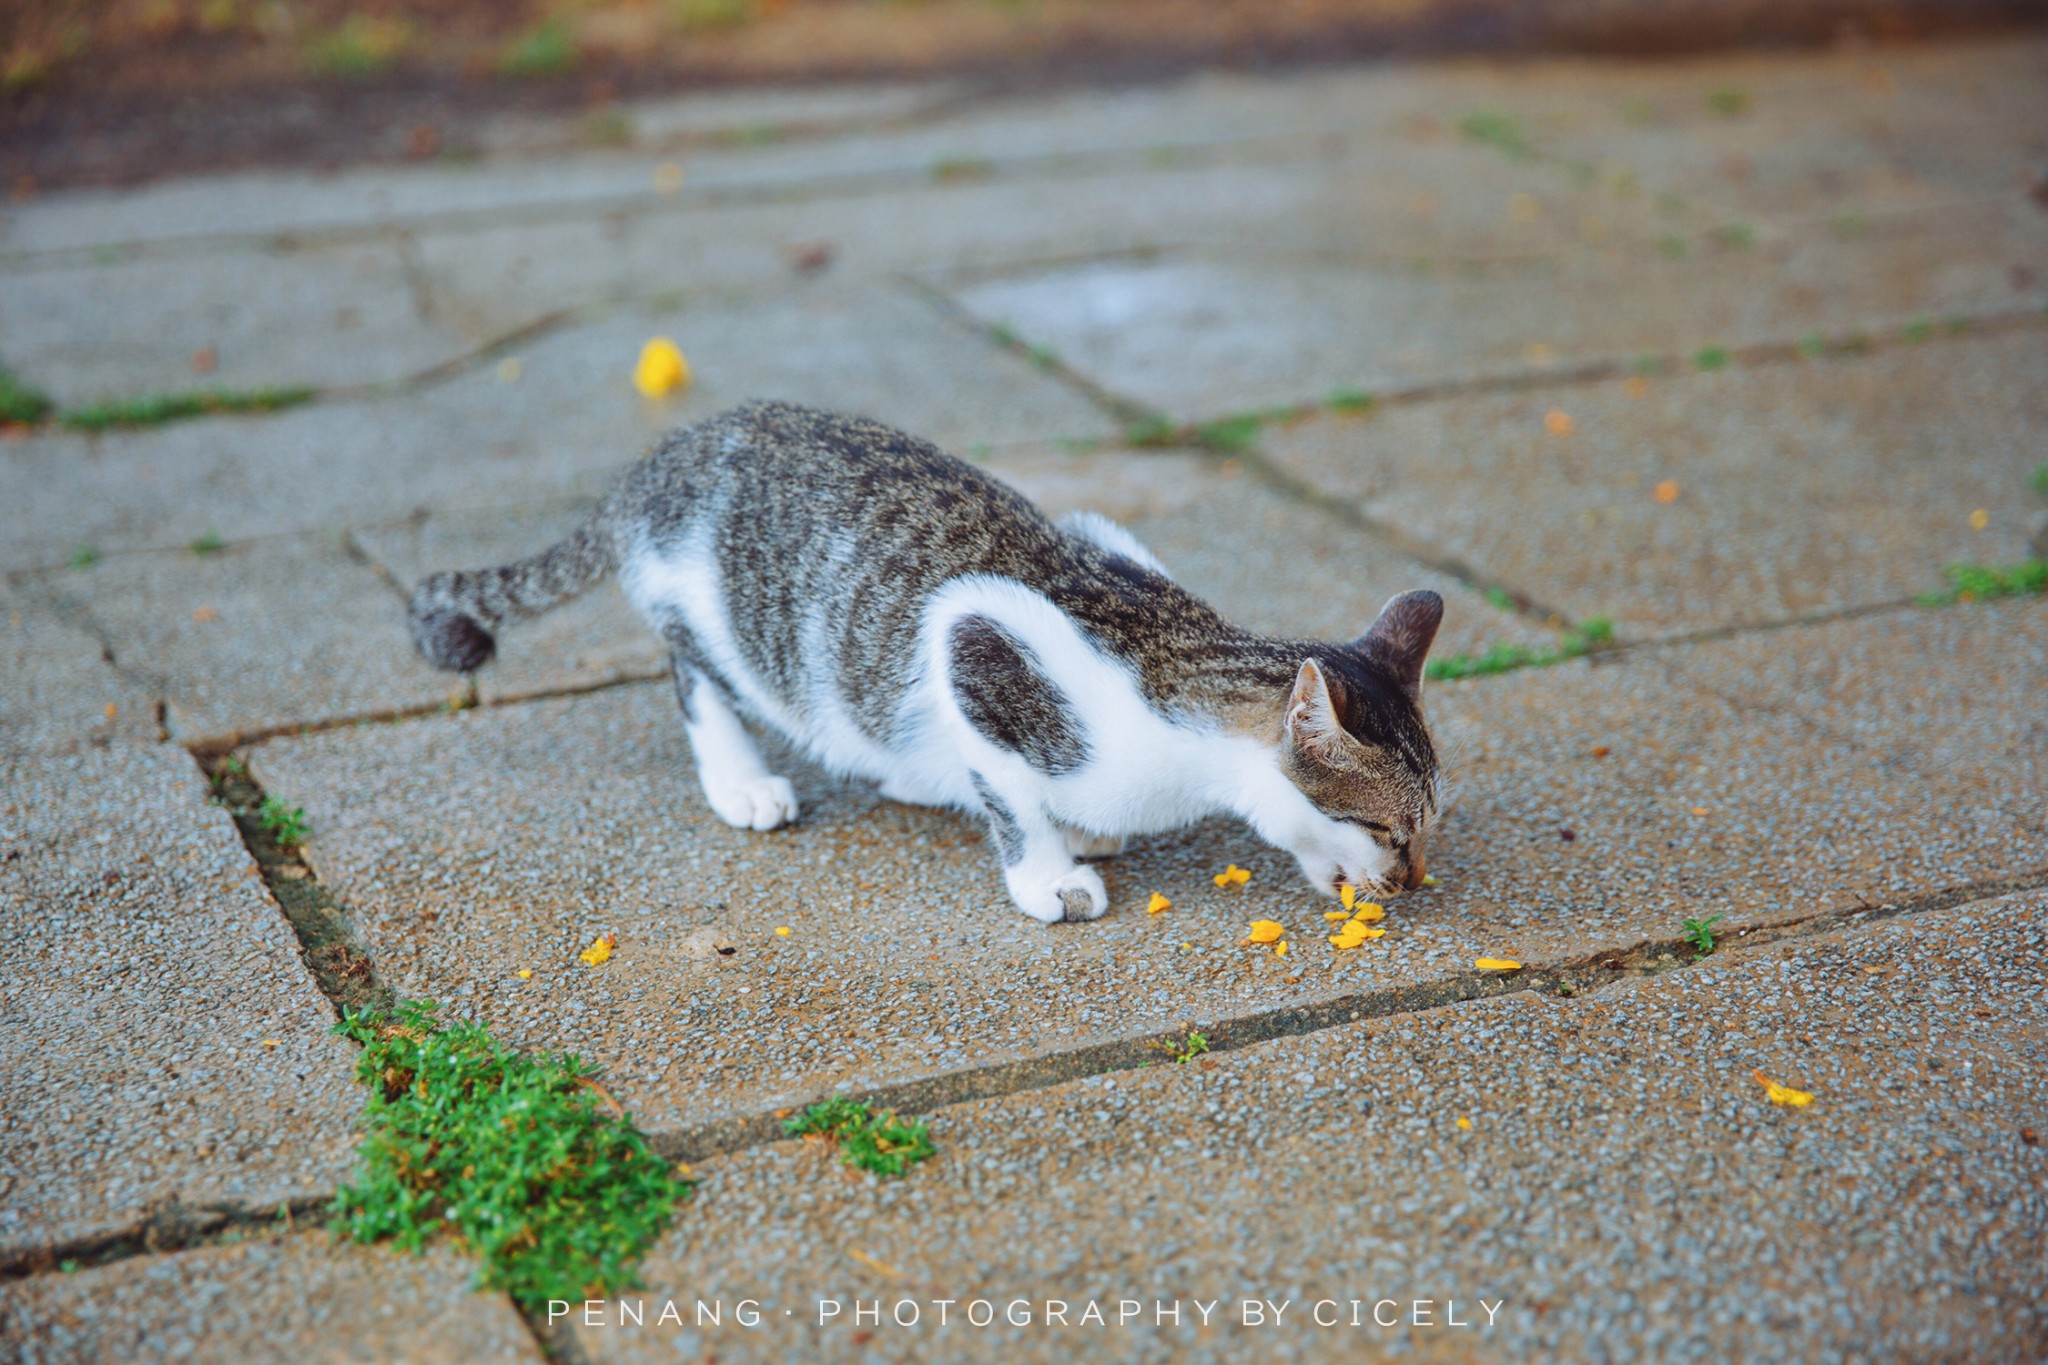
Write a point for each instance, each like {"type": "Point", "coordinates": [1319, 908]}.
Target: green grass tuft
{"type": "Point", "coordinates": [20, 403]}
{"type": "Point", "coordinates": [208, 543]}
{"type": "Point", "coordinates": [1151, 431]}
{"type": "Point", "coordinates": [874, 1140]}
{"type": "Point", "coordinates": [1711, 357]}
{"type": "Point", "coordinates": [546, 49]}
{"type": "Point", "coordinates": [1231, 435]}
{"type": "Point", "coordinates": [84, 556]}
{"type": "Point", "coordinates": [1988, 582]}
{"type": "Point", "coordinates": [286, 824]}
{"type": "Point", "coordinates": [154, 409]}
{"type": "Point", "coordinates": [1728, 101]}
{"type": "Point", "coordinates": [1349, 400]}
{"type": "Point", "coordinates": [1186, 1049]}
{"type": "Point", "coordinates": [1498, 131]}
{"type": "Point", "coordinates": [1593, 634]}
{"type": "Point", "coordinates": [513, 1154]}
{"type": "Point", "coordinates": [361, 46]}
{"type": "Point", "coordinates": [2040, 480]}
{"type": "Point", "coordinates": [1700, 933]}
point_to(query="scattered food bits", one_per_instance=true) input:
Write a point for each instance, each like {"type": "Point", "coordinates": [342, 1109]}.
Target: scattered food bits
{"type": "Point", "coordinates": [600, 950]}
{"type": "Point", "coordinates": [1158, 904]}
{"type": "Point", "coordinates": [1559, 422]}
{"type": "Point", "coordinates": [1372, 912]}
{"type": "Point", "coordinates": [1280, 948]}
{"type": "Point", "coordinates": [1265, 931]}
{"type": "Point", "coordinates": [1601, 751]}
{"type": "Point", "coordinates": [782, 931]}
{"type": "Point", "coordinates": [1782, 1094]}
{"type": "Point", "coordinates": [112, 710]}
{"type": "Point", "coordinates": [1979, 519]}
{"type": "Point", "coordinates": [2030, 1137]}
{"type": "Point", "coordinates": [526, 973]}
{"type": "Point", "coordinates": [1699, 810]}
{"type": "Point", "coordinates": [1348, 895]}
{"type": "Point", "coordinates": [205, 614]}
{"type": "Point", "coordinates": [1465, 1125]}
{"type": "Point", "coordinates": [1875, 971]}
{"type": "Point", "coordinates": [1354, 933]}
{"type": "Point", "coordinates": [272, 1042]}
{"type": "Point", "coordinates": [1666, 492]}
{"type": "Point", "coordinates": [661, 370]}
{"type": "Point", "coordinates": [1496, 964]}
{"type": "Point", "coordinates": [1233, 875]}
{"type": "Point", "coordinates": [1334, 915]}
{"type": "Point", "coordinates": [668, 178]}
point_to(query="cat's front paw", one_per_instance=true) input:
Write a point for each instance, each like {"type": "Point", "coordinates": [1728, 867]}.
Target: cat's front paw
{"type": "Point", "coordinates": [1077, 894]}
{"type": "Point", "coordinates": [763, 803]}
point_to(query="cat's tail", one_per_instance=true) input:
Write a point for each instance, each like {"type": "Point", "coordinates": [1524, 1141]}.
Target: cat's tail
{"type": "Point", "coordinates": [455, 615]}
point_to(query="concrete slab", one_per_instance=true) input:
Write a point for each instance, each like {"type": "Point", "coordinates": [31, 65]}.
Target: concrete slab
{"type": "Point", "coordinates": [58, 693]}
{"type": "Point", "coordinates": [258, 635]}
{"type": "Point", "coordinates": [755, 116]}
{"type": "Point", "coordinates": [560, 428]}
{"type": "Point", "coordinates": [163, 1046]}
{"type": "Point", "coordinates": [1624, 1189]}
{"type": "Point", "coordinates": [1800, 487]}
{"type": "Point", "coordinates": [477, 845]}
{"type": "Point", "coordinates": [325, 316]}
{"type": "Point", "coordinates": [300, 1297]}
{"type": "Point", "coordinates": [1948, 693]}
{"type": "Point", "coordinates": [1201, 335]}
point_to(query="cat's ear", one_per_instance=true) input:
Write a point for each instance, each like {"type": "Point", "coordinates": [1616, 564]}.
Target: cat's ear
{"type": "Point", "coordinates": [1402, 635]}
{"type": "Point", "coordinates": [1312, 724]}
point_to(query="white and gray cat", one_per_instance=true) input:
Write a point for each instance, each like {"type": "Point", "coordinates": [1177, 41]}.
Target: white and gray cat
{"type": "Point", "coordinates": [901, 616]}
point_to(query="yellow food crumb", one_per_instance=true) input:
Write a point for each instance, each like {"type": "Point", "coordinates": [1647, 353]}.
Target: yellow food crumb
{"type": "Point", "coordinates": [1666, 491]}
{"type": "Point", "coordinates": [1465, 1124]}
{"type": "Point", "coordinates": [1232, 874]}
{"type": "Point", "coordinates": [1558, 422]}
{"type": "Point", "coordinates": [1699, 810]}
{"type": "Point", "coordinates": [204, 614]}
{"type": "Point", "coordinates": [600, 950]}
{"type": "Point", "coordinates": [1280, 949]}
{"type": "Point", "coordinates": [1979, 519]}
{"type": "Point", "coordinates": [112, 710]}
{"type": "Point", "coordinates": [1157, 904]}
{"type": "Point", "coordinates": [1782, 1094]}
{"type": "Point", "coordinates": [1496, 964]}
{"type": "Point", "coordinates": [1370, 913]}
{"type": "Point", "coordinates": [1265, 931]}
{"type": "Point", "coordinates": [526, 973]}
{"type": "Point", "coordinates": [661, 369]}
{"type": "Point", "coordinates": [782, 931]}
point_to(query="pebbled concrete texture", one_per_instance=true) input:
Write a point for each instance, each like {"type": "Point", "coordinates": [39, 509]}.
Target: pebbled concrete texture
{"type": "Point", "coordinates": [164, 1048]}
{"type": "Point", "coordinates": [58, 692]}
{"type": "Point", "coordinates": [1625, 1190]}
{"type": "Point", "coordinates": [1797, 489]}
{"type": "Point", "coordinates": [268, 1297]}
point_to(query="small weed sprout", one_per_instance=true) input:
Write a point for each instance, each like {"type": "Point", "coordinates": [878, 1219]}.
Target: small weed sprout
{"type": "Point", "coordinates": [1187, 1049]}
{"type": "Point", "coordinates": [1700, 933]}
{"type": "Point", "coordinates": [873, 1140]}
{"type": "Point", "coordinates": [286, 824]}
{"type": "Point", "coordinates": [208, 543]}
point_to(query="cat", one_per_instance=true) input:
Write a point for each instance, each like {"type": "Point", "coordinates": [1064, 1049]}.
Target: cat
{"type": "Point", "coordinates": [900, 616]}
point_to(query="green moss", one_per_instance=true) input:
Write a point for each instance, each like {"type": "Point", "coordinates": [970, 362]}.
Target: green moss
{"type": "Point", "coordinates": [1987, 582]}
{"type": "Point", "coordinates": [1151, 431]}
{"type": "Point", "coordinates": [360, 46]}
{"type": "Point", "coordinates": [1918, 330]}
{"type": "Point", "coordinates": [1711, 357]}
{"type": "Point", "coordinates": [208, 543]}
{"type": "Point", "coordinates": [19, 402]}
{"type": "Point", "coordinates": [154, 409]}
{"type": "Point", "coordinates": [1728, 101]}
{"type": "Point", "coordinates": [84, 556]}
{"type": "Point", "coordinates": [702, 14]}
{"type": "Point", "coordinates": [286, 824]}
{"type": "Point", "coordinates": [2040, 480]}
{"type": "Point", "coordinates": [546, 49]}
{"type": "Point", "coordinates": [1231, 435]}
{"type": "Point", "coordinates": [1672, 245]}
{"type": "Point", "coordinates": [1349, 400]}
{"type": "Point", "coordinates": [515, 1155]}
{"type": "Point", "coordinates": [1594, 633]}
{"type": "Point", "coordinates": [1498, 131]}
{"type": "Point", "coordinates": [874, 1140]}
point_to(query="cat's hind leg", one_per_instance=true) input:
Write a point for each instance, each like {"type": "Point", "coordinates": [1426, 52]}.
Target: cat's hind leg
{"type": "Point", "coordinates": [1041, 874]}
{"type": "Point", "coordinates": [737, 783]}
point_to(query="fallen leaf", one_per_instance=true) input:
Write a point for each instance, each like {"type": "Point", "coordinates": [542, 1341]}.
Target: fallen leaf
{"type": "Point", "coordinates": [1232, 874]}
{"type": "Point", "coordinates": [661, 370]}
{"type": "Point", "coordinates": [1782, 1094]}
{"type": "Point", "coordinates": [1157, 904]}
{"type": "Point", "coordinates": [600, 950]}
{"type": "Point", "coordinates": [1265, 931]}
{"type": "Point", "coordinates": [1496, 964]}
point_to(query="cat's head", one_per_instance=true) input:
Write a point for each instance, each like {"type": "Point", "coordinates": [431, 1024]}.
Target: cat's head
{"type": "Point", "coordinates": [1354, 745]}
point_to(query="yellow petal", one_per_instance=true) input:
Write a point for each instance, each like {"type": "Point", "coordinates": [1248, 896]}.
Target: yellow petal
{"type": "Point", "coordinates": [1497, 964]}
{"type": "Point", "coordinates": [600, 950]}
{"type": "Point", "coordinates": [661, 369]}
{"type": "Point", "coordinates": [1370, 913]}
{"type": "Point", "coordinates": [1266, 930]}
{"type": "Point", "coordinates": [782, 931]}
{"type": "Point", "coordinates": [1157, 904]}
{"type": "Point", "coordinates": [1334, 915]}
{"type": "Point", "coordinates": [1347, 894]}
{"type": "Point", "coordinates": [1782, 1094]}
{"type": "Point", "coordinates": [1364, 931]}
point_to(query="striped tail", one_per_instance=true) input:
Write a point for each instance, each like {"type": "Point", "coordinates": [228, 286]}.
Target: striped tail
{"type": "Point", "coordinates": [455, 615]}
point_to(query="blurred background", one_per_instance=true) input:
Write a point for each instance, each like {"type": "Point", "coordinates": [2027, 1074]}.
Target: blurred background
{"type": "Point", "coordinates": [108, 91]}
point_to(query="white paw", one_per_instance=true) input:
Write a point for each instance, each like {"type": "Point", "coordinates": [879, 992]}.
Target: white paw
{"type": "Point", "coordinates": [1082, 844]}
{"type": "Point", "coordinates": [765, 802]}
{"type": "Point", "coordinates": [1076, 894]}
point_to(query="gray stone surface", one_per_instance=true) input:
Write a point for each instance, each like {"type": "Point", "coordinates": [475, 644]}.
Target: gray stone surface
{"type": "Point", "coordinates": [1625, 1190]}
{"type": "Point", "coordinates": [57, 690]}
{"type": "Point", "coordinates": [328, 316]}
{"type": "Point", "coordinates": [297, 1297]}
{"type": "Point", "coordinates": [472, 847]}
{"type": "Point", "coordinates": [1802, 487]}
{"type": "Point", "coordinates": [163, 1046]}
{"type": "Point", "coordinates": [562, 426]}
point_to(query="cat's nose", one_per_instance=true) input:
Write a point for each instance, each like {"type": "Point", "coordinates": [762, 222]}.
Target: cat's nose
{"type": "Point", "coordinates": [1414, 867]}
